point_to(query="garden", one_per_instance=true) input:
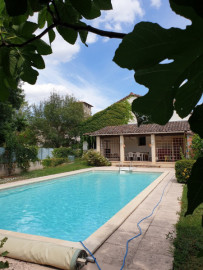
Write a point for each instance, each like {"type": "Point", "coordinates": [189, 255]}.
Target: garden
{"type": "Point", "coordinates": [188, 244]}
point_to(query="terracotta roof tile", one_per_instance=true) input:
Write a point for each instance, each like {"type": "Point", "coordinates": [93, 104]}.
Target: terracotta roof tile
{"type": "Point", "coordinates": [171, 127]}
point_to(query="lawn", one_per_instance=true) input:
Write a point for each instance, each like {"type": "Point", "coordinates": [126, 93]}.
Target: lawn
{"type": "Point", "coordinates": [77, 165]}
{"type": "Point", "coordinates": [189, 239]}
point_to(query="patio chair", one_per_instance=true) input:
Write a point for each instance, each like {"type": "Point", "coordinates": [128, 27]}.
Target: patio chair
{"type": "Point", "coordinates": [138, 156]}
{"type": "Point", "coordinates": [130, 155]}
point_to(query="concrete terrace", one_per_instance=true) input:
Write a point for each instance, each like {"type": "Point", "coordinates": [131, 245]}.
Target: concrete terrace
{"type": "Point", "coordinates": [152, 250]}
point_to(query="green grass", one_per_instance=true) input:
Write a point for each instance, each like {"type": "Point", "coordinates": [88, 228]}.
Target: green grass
{"type": "Point", "coordinates": [189, 239]}
{"type": "Point", "coordinates": [77, 165]}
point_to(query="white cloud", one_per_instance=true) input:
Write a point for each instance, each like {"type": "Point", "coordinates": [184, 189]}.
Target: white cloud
{"type": "Point", "coordinates": [156, 3]}
{"type": "Point", "coordinates": [93, 96]}
{"type": "Point", "coordinates": [123, 13]}
{"type": "Point", "coordinates": [91, 38]}
{"type": "Point", "coordinates": [63, 52]}
{"type": "Point", "coordinates": [81, 88]}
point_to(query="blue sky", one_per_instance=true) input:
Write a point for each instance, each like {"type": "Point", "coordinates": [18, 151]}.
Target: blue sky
{"type": "Point", "coordinates": [89, 73]}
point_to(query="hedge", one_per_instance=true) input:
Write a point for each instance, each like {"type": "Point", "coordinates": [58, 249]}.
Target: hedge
{"type": "Point", "coordinates": [53, 162]}
{"type": "Point", "coordinates": [61, 152]}
{"type": "Point", "coordinates": [183, 170]}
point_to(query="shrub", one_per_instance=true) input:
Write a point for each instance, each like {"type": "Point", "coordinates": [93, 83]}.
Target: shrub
{"type": "Point", "coordinates": [77, 152]}
{"type": "Point", "coordinates": [47, 162]}
{"type": "Point", "coordinates": [183, 170]}
{"type": "Point", "coordinates": [64, 152]}
{"type": "Point", "coordinates": [53, 162]}
{"type": "Point", "coordinates": [16, 153]}
{"type": "Point", "coordinates": [61, 152]}
{"type": "Point", "coordinates": [58, 161]}
{"type": "Point", "coordinates": [94, 158]}
{"type": "Point", "coordinates": [197, 146]}
{"type": "Point", "coordinates": [24, 155]}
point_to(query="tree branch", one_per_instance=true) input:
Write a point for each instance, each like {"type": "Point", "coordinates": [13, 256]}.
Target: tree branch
{"type": "Point", "coordinates": [91, 29]}
{"type": "Point", "coordinates": [57, 13]}
{"type": "Point", "coordinates": [30, 40]}
{"type": "Point", "coordinates": [76, 27]}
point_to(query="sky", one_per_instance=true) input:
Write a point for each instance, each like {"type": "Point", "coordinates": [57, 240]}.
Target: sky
{"type": "Point", "coordinates": [88, 73]}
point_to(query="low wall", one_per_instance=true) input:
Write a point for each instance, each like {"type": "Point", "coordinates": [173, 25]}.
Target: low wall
{"type": "Point", "coordinates": [33, 166]}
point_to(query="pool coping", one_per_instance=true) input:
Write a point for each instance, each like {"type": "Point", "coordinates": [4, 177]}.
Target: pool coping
{"type": "Point", "coordinates": [95, 240]}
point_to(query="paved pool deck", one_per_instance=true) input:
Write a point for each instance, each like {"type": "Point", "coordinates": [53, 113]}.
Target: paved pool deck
{"type": "Point", "coordinates": [153, 249]}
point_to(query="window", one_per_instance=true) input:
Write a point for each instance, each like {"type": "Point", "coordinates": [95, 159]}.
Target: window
{"type": "Point", "coordinates": [142, 141]}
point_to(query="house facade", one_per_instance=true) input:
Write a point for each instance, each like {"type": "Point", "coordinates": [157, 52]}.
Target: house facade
{"type": "Point", "coordinates": [148, 143]}
{"type": "Point", "coordinates": [87, 109]}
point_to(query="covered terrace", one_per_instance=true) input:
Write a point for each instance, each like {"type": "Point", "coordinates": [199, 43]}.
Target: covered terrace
{"type": "Point", "coordinates": [150, 143]}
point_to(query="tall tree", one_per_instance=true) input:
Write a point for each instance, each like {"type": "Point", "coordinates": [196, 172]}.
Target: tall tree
{"type": "Point", "coordinates": [56, 121]}
{"type": "Point", "coordinates": [9, 120]}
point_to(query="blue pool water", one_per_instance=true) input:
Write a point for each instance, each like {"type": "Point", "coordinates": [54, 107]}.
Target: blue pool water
{"type": "Point", "coordinates": [72, 207]}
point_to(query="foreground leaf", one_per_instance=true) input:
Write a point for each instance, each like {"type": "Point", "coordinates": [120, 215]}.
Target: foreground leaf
{"type": "Point", "coordinates": [144, 51]}
{"type": "Point", "coordinates": [196, 120]}
{"type": "Point", "coordinates": [200, 253]}
{"type": "Point", "coordinates": [68, 34]}
{"type": "Point", "coordinates": [4, 265]}
{"type": "Point", "coordinates": [158, 105]}
{"type": "Point", "coordinates": [195, 187]}
{"type": "Point", "coordinates": [52, 35]}
{"type": "Point", "coordinates": [15, 8]}
{"type": "Point", "coordinates": [103, 4]}
{"type": "Point", "coordinates": [188, 8]}
{"type": "Point", "coordinates": [188, 95]}
{"type": "Point", "coordinates": [83, 34]}
{"type": "Point", "coordinates": [148, 45]}
{"type": "Point", "coordinates": [5, 253]}
{"type": "Point", "coordinates": [87, 8]}
{"type": "Point", "coordinates": [29, 74]}
{"type": "Point", "coordinates": [42, 47]}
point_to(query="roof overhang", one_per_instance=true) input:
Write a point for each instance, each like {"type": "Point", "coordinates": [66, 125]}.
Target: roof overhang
{"type": "Point", "coordinates": [144, 133]}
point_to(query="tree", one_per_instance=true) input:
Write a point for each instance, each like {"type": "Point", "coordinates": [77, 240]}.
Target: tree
{"type": "Point", "coordinates": [197, 146]}
{"type": "Point", "coordinates": [9, 119]}
{"type": "Point", "coordinates": [55, 121]}
{"type": "Point", "coordinates": [143, 50]}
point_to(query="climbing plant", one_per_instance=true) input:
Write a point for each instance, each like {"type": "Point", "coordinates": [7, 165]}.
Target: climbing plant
{"type": "Point", "coordinates": [117, 114]}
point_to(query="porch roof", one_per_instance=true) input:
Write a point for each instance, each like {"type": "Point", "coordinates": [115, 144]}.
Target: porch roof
{"type": "Point", "coordinates": [130, 129]}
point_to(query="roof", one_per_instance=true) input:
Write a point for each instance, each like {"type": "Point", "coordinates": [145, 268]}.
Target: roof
{"type": "Point", "coordinates": [130, 129]}
{"type": "Point", "coordinates": [130, 95]}
{"type": "Point", "coordinates": [86, 103]}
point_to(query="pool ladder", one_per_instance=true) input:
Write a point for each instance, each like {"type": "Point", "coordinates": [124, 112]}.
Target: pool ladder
{"type": "Point", "coordinates": [129, 169]}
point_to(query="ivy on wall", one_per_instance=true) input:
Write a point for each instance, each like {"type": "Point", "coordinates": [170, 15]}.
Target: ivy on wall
{"type": "Point", "coordinates": [117, 114]}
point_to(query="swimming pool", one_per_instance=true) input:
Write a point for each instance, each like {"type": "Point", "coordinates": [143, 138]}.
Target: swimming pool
{"type": "Point", "coordinates": [72, 207]}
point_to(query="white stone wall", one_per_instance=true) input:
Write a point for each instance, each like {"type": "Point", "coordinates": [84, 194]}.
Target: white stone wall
{"type": "Point", "coordinates": [33, 166]}
{"type": "Point", "coordinates": [134, 120]}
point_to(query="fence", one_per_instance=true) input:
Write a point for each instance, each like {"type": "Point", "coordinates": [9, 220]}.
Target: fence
{"type": "Point", "coordinates": [42, 152]}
